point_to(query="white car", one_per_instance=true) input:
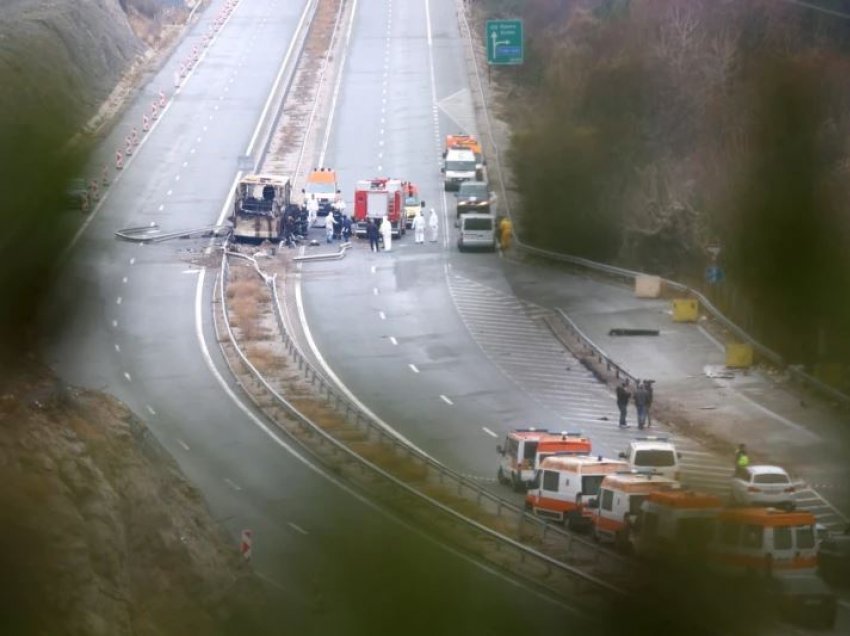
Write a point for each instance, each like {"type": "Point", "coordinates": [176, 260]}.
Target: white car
{"type": "Point", "coordinates": [763, 486]}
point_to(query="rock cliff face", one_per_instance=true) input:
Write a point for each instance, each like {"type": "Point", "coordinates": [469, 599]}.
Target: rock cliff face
{"type": "Point", "coordinates": [99, 532]}
{"type": "Point", "coordinates": [63, 51]}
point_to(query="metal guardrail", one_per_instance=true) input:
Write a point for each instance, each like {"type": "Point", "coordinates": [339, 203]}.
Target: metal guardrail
{"type": "Point", "coordinates": [152, 234]}
{"type": "Point", "coordinates": [796, 372]}
{"type": "Point", "coordinates": [602, 559]}
{"type": "Point", "coordinates": [331, 256]}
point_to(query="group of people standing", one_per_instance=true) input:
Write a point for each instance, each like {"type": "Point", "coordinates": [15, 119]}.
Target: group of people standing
{"type": "Point", "coordinates": [419, 226]}
{"type": "Point", "coordinates": [642, 397]}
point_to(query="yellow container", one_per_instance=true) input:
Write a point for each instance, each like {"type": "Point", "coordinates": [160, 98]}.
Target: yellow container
{"type": "Point", "coordinates": [685, 310]}
{"type": "Point", "coordinates": [739, 355]}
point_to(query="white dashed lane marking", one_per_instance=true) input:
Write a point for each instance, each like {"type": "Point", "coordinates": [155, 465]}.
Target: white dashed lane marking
{"type": "Point", "coordinates": [446, 400]}
{"type": "Point", "coordinates": [488, 431]}
{"type": "Point", "coordinates": [413, 368]}
{"type": "Point", "coordinates": [232, 484]}
{"type": "Point", "coordinates": [393, 340]}
{"type": "Point", "coordinates": [297, 528]}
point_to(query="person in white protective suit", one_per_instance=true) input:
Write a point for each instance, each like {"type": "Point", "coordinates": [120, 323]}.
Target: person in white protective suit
{"type": "Point", "coordinates": [339, 203]}
{"type": "Point", "coordinates": [433, 226]}
{"type": "Point", "coordinates": [312, 210]}
{"type": "Point", "coordinates": [387, 233]}
{"type": "Point", "coordinates": [329, 227]}
{"type": "Point", "coordinates": [419, 227]}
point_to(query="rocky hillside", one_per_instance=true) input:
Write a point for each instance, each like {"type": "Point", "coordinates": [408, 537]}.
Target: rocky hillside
{"type": "Point", "coordinates": [99, 531]}
{"type": "Point", "coordinates": [69, 55]}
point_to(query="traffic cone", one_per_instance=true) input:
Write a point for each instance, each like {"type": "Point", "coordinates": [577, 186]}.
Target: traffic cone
{"type": "Point", "coordinates": [84, 201]}
{"type": "Point", "coordinates": [162, 99]}
{"type": "Point", "coordinates": [104, 176]}
{"type": "Point", "coordinates": [134, 136]}
{"type": "Point", "coordinates": [154, 111]}
{"type": "Point", "coordinates": [94, 190]}
{"type": "Point", "coordinates": [129, 149]}
{"type": "Point", "coordinates": [119, 160]}
{"type": "Point", "coordinates": [146, 123]}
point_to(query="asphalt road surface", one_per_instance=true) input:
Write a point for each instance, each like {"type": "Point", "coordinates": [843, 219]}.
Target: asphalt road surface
{"type": "Point", "coordinates": [133, 320]}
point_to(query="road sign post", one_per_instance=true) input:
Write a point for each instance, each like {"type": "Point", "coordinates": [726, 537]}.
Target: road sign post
{"type": "Point", "coordinates": [505, 45]}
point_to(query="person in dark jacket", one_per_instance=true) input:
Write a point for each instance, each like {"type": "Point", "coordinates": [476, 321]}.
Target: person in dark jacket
{"type": "Point", "coordinates": [648, 385]}
{"type": "Point", "coordinates": [346, 228]}
{"type": "Point", "coordinates": [640, 398]}
{"type": "Point", "coordinates": [623, 396]}
{"type": "Point", "coordinates": [372, 233]}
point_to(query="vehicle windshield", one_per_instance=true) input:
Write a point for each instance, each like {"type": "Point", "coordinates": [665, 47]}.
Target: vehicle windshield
{"type": "Point", "coordinates": [319, 188]}
{"type": "Point", "coordinates": [411, 201]}
{"type": "Point", "coordinates": [655, 458]}
{"type": "Point", "coordinates": [469, 190]}
{"type": "Point", "coordinates": [479, 224]}
{"type": "Point", "coordinates": [529, 450]}
{"type": "Point", "coordinates": [590, 485]}
{"type": "Point", "coordinates": [771, 478]}
{"type": "Point", "coordinates": [460, 166]}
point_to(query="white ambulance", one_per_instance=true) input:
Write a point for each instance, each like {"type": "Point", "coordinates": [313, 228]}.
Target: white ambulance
{"type": "Point", "coordinates": [618, 505]}
{"type": "Point", "coordinates": [676, 523]}
{"type": "Point", "coordinates": [565, 482]}
{"type": "Point", "coordinates": [765, 541]}
{"type": "Point", "coordinates": [525, 448]}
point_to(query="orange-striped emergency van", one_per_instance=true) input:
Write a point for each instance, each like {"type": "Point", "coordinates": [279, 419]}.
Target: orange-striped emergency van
{"type": "Point", "coordinates": [764, 540]}
{"type": "Point", "coordinates": [676, 523]}
{"type": "Point", "coordinates": [618, 505]}
{"type": "Point", "coordinates": [525, 448]}
{"type": "Point", "coordinates": [565, 482]}
{"type": "Point", "coordinates": [467, 142]}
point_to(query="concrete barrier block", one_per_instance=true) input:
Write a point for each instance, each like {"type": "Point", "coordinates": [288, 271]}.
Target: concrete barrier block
{"type": "Point", "coordinates": [647, 286]}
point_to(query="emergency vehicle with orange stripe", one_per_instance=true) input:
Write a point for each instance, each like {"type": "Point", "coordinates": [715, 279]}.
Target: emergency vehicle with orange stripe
{"type": "Point", "coordinates": [618, 505]}
{"type": "Point", "coordinates": [764, 541]}
{"type": "Point", "coordinates": [321, 183]}
{"type": "Point", "coordinates": [565, 482]}
{"type": "Point", "coordinates": [675, 523]}
{"type": "Point", "coordinates": [467, 142]}
{"type": "Point", "coordinates": [525, 448]}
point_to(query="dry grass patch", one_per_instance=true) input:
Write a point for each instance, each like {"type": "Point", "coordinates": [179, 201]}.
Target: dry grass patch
{"type": "Point", "coordinates": [264, 360]}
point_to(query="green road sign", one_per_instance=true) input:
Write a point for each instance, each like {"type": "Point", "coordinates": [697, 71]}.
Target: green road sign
{"type": "Point", "coordinates": [504, 42]}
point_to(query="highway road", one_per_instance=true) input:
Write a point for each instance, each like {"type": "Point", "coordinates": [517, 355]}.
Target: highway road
{"type": "Point", "coordinates": [449, 348]}
{"type": "Point", "coordinates": [134, 320]}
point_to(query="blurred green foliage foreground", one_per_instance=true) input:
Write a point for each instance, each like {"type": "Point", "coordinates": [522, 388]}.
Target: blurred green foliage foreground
{"type": "Point", "coordinates": [36, 215]}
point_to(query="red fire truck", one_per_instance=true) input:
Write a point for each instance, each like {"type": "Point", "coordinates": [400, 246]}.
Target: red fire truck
{"type": "Point", "coordinates": [377, 199]}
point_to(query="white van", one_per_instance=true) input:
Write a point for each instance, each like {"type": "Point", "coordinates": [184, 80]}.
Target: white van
{"type": "Point", "coordinates": [477, 231]}
{"type": "Point", "coordinates": [459, 166]}
{"type": "Point", "coordinates": [655, 454]}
